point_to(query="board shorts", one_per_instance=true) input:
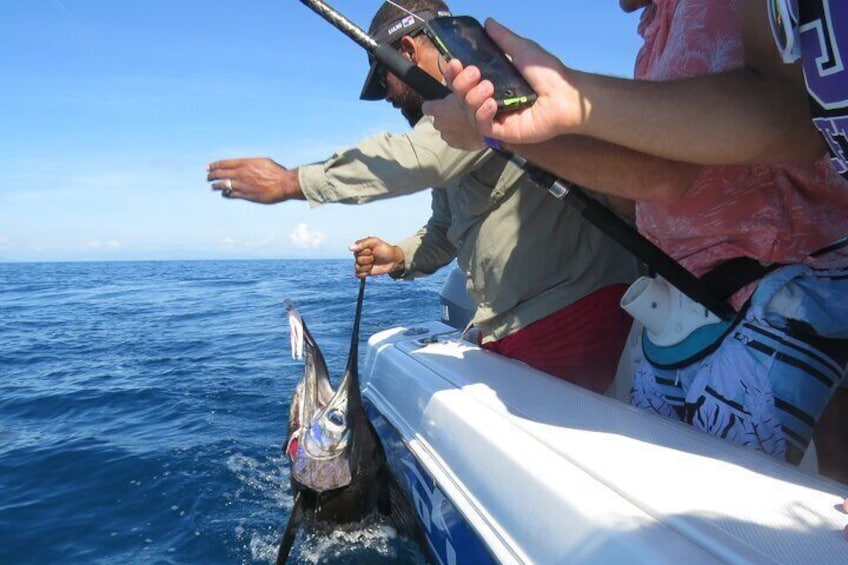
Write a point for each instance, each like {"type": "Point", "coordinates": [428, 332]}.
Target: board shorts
{"type": "Point", "coordinates": [769, 381]}
{"type": "Point", "coordinates": [581, 343]}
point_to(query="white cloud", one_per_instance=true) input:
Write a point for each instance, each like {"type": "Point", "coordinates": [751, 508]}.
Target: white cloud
{"type": "Point", "coordinates": [304, 238]}
{"type": "Point", "coordinates": [96, 244]}
{"type": "Point", "coordinates": [5, 242]}
{"type": "Point", "coordinates": [258, 243]}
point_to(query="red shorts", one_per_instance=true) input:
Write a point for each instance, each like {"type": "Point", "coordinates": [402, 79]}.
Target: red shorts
{"type": "Point", "coordinates": [581, 343]}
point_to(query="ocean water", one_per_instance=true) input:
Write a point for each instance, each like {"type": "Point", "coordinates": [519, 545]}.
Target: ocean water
{"type": "Point", "coordinates": [143, 407]}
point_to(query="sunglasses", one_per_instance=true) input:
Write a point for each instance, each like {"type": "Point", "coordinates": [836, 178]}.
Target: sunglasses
{"type": "Point", "coordinates": [381, 70]}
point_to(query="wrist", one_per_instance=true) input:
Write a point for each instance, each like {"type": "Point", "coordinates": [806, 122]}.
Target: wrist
{"type": "Point", "coordinates": [399, 260]}
{"type": "Point", "coordinates": [291, 185]}
{"type": "Point", "coordinates": [577, 91]}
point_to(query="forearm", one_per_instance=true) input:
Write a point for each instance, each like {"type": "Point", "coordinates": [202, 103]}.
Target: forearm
{"type": "Point", "coordinates": [399, 265]}
{"type": "Point", "coordinates": [429, 249]}
{"type": "Point", "coordinates": [386, 166]}
{"type": "Point", "coordinates": [611, 169]}
{"type": "Point", "coordinates": [737, 117]}
{"type": "Point", "coordinates": [755, 114]}
{"type": "Point", "coordinates": [424, 254]}
{"type": "Point", "coordinates": [290, 184]}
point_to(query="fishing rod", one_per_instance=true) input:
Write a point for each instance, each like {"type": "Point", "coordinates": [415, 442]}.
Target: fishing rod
{"type": "Point", "coordinates": [590, 209]}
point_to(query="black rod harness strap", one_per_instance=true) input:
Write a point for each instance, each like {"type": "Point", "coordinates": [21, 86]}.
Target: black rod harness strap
{"type": "Point", "coordinates": [592, 211]}
{"type": "Point", "coordinates": [734, 274]}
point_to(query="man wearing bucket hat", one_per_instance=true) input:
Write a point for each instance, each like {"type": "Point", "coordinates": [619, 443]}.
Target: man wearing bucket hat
{"type": "Point", "coordinates": [545, 283]}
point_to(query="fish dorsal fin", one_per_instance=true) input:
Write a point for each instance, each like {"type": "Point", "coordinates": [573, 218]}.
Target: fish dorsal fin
{"type": "Point", "coordinates": [295, 331]}
{"type": "Point", "coordinates": [316, 380]}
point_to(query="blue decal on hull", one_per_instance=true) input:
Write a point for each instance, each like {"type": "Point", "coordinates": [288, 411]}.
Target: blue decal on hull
{"type": "Point", "coordinates": [452, 540]}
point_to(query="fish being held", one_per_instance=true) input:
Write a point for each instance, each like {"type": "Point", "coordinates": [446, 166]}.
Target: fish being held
{"type": "Point", "coordinates": [339, 472]}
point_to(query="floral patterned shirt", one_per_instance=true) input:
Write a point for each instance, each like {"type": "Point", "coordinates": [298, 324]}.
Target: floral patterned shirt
{"type": "Point", "coordinates": [772, 214]}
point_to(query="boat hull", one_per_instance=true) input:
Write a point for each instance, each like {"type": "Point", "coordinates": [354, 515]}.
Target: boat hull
{"type": "Point", "coordinates": [504, 463]}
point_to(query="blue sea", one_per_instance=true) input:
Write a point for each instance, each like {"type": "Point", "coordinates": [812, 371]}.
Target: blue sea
{"type": "Point", "coordinates": [143, 406]}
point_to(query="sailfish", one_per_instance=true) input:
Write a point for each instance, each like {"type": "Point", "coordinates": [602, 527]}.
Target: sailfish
{"type": "Point", "coordinates": [339, 473]}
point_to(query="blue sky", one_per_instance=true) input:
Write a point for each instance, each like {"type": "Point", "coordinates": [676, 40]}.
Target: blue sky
{"type": "Point", "coordinates": [112, 109]}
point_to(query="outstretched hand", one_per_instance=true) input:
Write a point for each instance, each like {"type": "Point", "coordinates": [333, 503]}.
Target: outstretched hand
{"type": "Point", "coordinates": [559, 108]}
{"type": "Point", "coordinates": [374, 257]}
{"type": "Point", "coordinates": [257, 179]}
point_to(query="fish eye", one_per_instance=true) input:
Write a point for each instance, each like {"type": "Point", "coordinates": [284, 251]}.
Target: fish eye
{"type": "Point", "coordinates": [336, 417]}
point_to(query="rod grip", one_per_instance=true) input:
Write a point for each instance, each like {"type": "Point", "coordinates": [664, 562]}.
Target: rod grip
{"type": "Point", "coordinates": [410, 73]}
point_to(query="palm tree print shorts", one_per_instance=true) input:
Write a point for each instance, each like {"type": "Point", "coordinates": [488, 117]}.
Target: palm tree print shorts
{"type": "Point", "coordinates": [767, 384]}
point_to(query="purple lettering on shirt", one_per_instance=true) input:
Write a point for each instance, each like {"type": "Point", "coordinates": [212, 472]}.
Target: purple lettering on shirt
{"type": "Point", "coordinates": [835, 132]}
{"type": "Point", "coordinates": [824, 44]}
{"type": "Point", "coordinates": [824, 53]}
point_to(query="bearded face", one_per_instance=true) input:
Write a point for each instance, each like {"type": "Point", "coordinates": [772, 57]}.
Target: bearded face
{"type": "Point", "coordinates": [404, 98]}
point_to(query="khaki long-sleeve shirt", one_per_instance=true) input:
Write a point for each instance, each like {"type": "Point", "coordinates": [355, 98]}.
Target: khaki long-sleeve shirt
{"type": "Point", "coordinates": [525, 254]}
